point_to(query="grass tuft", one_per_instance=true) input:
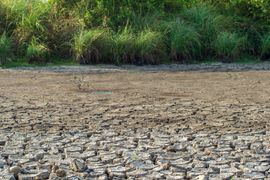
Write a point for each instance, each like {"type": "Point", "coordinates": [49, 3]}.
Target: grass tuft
{"type": "Point", "coordinates": [184, 41]}
{"type": "Point", "coordinates": [124, 46]}
{"type": "Point", "coordinates": [265, 47]}
{"type": "Point", "coordinates": [37, 52]}
{"type": "Point", "coordinates": [149, 47]}
{"type": "Point", "coordinates": [5, 49]}
{"type": "Point", "coordinates": [229, 46]}
{"type": "Point", "coordinates": [92, 46]}
{"type": "Point", "coordinates": [208, 24]}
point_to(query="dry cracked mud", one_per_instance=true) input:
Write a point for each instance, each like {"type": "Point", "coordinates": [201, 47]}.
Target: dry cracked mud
{"type": "Point", "coordinates": [134, 125]}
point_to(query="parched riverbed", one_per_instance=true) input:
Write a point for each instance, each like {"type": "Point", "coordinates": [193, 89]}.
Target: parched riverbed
{"type": "Point", "coordinates": [118, 123]}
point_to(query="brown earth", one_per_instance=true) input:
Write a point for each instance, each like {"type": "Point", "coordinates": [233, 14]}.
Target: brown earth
{"type": "Point", "coordinates": [134, 125]}
{"type": "Point", "coordinates": [218, 101]}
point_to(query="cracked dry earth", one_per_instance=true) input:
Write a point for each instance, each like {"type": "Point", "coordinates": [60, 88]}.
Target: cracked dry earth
{"type": "Point", "coordinates": [134, 125]}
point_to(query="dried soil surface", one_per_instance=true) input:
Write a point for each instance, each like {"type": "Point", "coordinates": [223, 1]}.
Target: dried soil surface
{"type": "Point", "coordinates": [133, 124]}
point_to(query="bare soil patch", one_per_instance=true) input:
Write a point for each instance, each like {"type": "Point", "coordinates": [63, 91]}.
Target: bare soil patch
{"type": "Point", "coordinates": [236, 100]}
{"type": "Point", "coordinates": [182, 124]}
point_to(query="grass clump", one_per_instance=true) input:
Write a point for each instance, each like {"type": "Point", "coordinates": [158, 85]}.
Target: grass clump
{"type": "Point", "coordinates": [37, 52]}
{"type": "Point", "coordinates": [184, 41]}
{"type": "Point", "coordinates": [229, 46]}
{"type": "Point", "coordinates": [265, 47]}
{"type": "Point", "coordinates": [92, 46]}
{"type": "Point", "coordinates": [61, 28]}
{"type": "Point", "coordinates": [208, 23]}
{"type": "Point", "coordinates": [5, 49]}
{"type": "Point", "coordinates": [30, 18]}
{"type": "Point", "coordinates": [149, 47]}
{"type": "Point", "coordinates": [124, 46]}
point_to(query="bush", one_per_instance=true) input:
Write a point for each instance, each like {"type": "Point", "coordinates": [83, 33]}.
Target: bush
{"type": "Point", "coordinates": [161, 29]}
{"type": "Point", "coordinates": [208, 24]}
{"type": "Point", "coordinates": [124, 46]}
{"type": "Point", "coordinates": [253, 9]}
{"type": "Point", "coordinates": [230, 46]}
{"type": "Point", "coordinates": [30, 19]}
{"type": "Point", "coordinates": [265, 47]}
{"type": "Point", "coordinates": [93, 46]}
{"type": "Point", "coordinates": [5, 49]}
{"type": "Point", "coordinates": [37, 52]}
{"type": "Point", "coordinates": [61, 29]}
{"type": "Point", "coordinates": [184, 41]}
{"type": "Point", "coordinates": [149, 48]}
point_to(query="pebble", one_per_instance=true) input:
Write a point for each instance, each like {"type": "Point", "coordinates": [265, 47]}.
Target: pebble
{"type": "Point", "coordinates": [77, 165]}
{"type": "Point", "coordinates": [15, 170]}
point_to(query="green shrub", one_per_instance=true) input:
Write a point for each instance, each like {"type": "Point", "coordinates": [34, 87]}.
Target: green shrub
{"type": "Point", "coordinates": [149, 47]}
{"type": "Point", "coordinates": [265, 47]}
{"type": "Point", "coordinates": [61, 29]}
{"type": "Point", "coordinates": [208, 24]}
{"type": "Point", "coordinates": [5, 49]}
{"type": "Point", "coordinates": [156, 32]}
{"type": "Point", "coordinates": [93, 46]}
{"type": "Point", "coordinates": [30, 19]}
{"type": "Point", "coordinates": [184, 41]}
{"type": "Point", "coordinates": [229, 46]}
{"type": "Point", "coordinates": [37, 52]}
{"type": "Point", "coordinates": [253, 9]}
{"type": "Point", "coordinates": [124, 46]}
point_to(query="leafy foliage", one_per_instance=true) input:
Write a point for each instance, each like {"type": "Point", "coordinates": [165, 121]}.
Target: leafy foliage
{"type": "Point", "coordinates": [124, 46]}
{"type": "Point", "coordinates": [184, 41]}
{"type": "Point", "coordinates": [208, 24]}
{"type": "Point", "coordinates": [5, 48]}
{"type": "Point", "coordinates": [92, 46]}
{"type": "Point", "coordinates": [149, 46]}
{"type": "Point", "coordinates": [37, 52]}
{"type": "Point", "coordinates": [229, 46]}
{"type": "Point", "coordinates": [137, 32]}
{"type": "Point", "coordinates": [265, 46]}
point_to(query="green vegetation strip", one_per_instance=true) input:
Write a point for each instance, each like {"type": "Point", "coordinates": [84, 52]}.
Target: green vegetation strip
{"type": "Point", "coordinates": [46, 32]}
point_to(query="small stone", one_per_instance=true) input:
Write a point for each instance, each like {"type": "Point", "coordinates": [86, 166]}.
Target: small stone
{"type": "Point", "coordinates": [261, 168]}
{"type": "Point", "coordinates": [2, 142]}
{"type": "Point", "coordinates": [201, 177]}
{"type": "Point", "coordinates": [73, 149]}
{"type": "Point", "coordinates": [7, 177]}
{"type": "Point", "coordinates": [15, 170]}
{"type": "Point", "coordinates": [43, 175]}
{"type": "Point", "coordinates": [103, 177]}
{"type": "Point", "coordinates": [77, 165]}
{"type": "Point", "coordinates": [39, 155]}
{"type": "Point", "coordinates": [255, 175]}
{"type": "Point", "coordinates": [61, 173]}
{"type": "Point", "coordinates": [136, 174]}
{"type": "Point", "coordinates": [55, 168]}
{"type": "Point", "coordinates": [2, 163]}
{"type": "Point", "coordinates": [40, 175]}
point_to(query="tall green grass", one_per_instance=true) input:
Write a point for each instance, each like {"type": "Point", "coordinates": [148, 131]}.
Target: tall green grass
{"type": "Point", "coordinates": [149, 47]}
{"type": "Point", "coordinates": [5, 49]}
{"type": "Point", "coordinates": [61, 29]}
{"type": "Point", "coordinates": [124, 46]}
{"type": "Point", "coordinates": [208, 23]}
{"type": "Point", "coordinates": [37, 52]}
{"type": "Point", "coordinates": [229, 46]}
{"type": "Point", "coordinates": [185, 43]}
{"type": "Point", "coordinates": [265, 47]}
{"type": "Point", "coordinates": [29, 18]}
{"type": "Point", "coordinates": [128, 31]}
{"type": "Point", "coordinates": [93, 46]}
